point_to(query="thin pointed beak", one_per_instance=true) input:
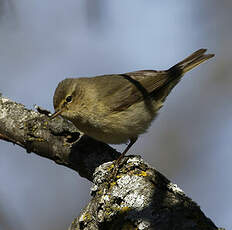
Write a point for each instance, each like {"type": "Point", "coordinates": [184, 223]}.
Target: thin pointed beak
{"type": "Point", "coordinates": [56, 114]}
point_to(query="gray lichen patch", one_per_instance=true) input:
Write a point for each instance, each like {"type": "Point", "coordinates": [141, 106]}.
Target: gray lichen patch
{"type": "Point", "coordinates": [175, 188]}
{"type": "Point", "coordinates": [128, 194]}
{"type": "Point", "coordinates": [131, 189]}
{"type": "Point", "coordinates": [13, 115]}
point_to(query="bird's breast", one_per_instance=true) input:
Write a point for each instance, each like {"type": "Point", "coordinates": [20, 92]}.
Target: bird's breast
{"type": "Point", "coordinates": [116, 127]}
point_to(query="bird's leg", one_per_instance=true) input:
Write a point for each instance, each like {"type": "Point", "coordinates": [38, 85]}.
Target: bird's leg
{"type": "Point", "coordinates": [118, 161]}
{"type": "Point", "coordinates": [132, 141]}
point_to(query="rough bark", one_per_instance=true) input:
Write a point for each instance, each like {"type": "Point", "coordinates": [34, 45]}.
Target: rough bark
{"type": "Point", "coordinates": [139, 197]}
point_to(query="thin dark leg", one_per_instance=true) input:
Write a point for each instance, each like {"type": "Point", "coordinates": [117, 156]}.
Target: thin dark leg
{"type": "Point", "coordinates": [118, 161]}
{"type": "Point", "coordinates": [132, 141]}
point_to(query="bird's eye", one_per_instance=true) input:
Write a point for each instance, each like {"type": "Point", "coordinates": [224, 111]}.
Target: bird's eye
{"type": "Point", "coordinates": [68, 99]}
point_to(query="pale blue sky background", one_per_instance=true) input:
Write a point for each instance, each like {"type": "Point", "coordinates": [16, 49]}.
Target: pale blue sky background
{"type": "Point", "coordinates": [42, 42]}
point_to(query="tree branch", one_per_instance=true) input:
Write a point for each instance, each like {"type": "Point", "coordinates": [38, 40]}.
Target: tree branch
{"type": "Point", "coordinates": [138, 198]}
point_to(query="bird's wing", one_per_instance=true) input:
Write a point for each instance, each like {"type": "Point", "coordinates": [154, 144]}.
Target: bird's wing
{"type": "Point", "coordinates": [124, 90]}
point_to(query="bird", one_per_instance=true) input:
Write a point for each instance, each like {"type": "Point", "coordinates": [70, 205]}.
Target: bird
{"type": "Point", "coordinates": [117, 108]}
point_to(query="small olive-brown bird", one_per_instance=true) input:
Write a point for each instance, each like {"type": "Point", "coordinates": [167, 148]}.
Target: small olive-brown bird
{"type": "Point", "coordinates": [116, 108]}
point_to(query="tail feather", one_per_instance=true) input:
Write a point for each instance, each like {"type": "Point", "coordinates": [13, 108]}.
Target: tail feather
{"type": "Point", "coordinates": [192, 61]}
{"type": "Point", "coordinates": [178, 70]}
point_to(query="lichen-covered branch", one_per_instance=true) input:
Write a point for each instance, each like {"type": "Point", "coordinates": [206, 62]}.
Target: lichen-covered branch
{"type": "Point", "coordinates": [139, 197]}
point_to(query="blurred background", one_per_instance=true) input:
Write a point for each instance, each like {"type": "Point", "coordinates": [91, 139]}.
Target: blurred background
{"type": "Point", "coordinates": [43, 42]}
